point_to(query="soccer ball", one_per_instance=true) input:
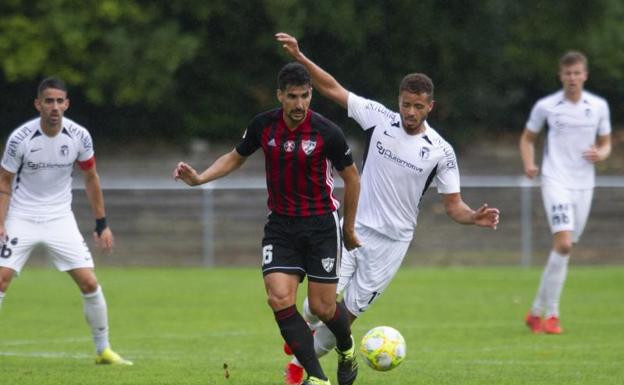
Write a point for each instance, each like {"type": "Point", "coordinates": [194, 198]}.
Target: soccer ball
{"type": "Point", "coordinates": [383, 348]}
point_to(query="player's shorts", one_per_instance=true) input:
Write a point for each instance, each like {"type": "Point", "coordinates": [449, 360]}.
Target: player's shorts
{"type": "Point", "coordinates": [303, 245]}
{"type": "Point", "coordinates": [61, 238]}
{"type": "Point", "coordinates": [367, 271]}
{"type": "Point", "coordinates": [566, 209]}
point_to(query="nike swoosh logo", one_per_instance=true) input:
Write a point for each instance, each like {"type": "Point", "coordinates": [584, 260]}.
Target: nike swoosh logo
{"type": "Point", "coordinates": [386, 133]}
{"type": "Point", "coordinates": [36, 149]}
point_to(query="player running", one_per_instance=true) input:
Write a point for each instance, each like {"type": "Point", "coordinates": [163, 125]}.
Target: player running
{"type": "Point", "coordinates": [403, 156]}
{"type": "Point", "coordinates": [303, 233]}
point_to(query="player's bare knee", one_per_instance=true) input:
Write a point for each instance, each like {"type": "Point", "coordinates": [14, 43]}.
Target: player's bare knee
{"type": "Point", "coordinates": [88, 286]}
{"type": "Point", "coordinates": [322, 309]}
{"type": "Point", "coordinates": [6, 275]}
{"type": "Point", "coordinates": [563, 247]}
{"type": "Point", "coordinates": [279, 302]}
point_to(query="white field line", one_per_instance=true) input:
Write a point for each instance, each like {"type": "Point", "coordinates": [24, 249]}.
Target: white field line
{"type": "Point", "coordinates": [77, 356]}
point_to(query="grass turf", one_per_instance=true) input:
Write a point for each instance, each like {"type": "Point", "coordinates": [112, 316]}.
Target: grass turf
{"type": "Point", "coordinates": [180, 326]}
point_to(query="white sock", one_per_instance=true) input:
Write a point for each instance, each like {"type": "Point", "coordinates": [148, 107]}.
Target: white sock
{"type": "Point", "coordinates": [96, 314]}
{"type": "Point", "coordinates": [1, 298]}
{"type": "Point", "coordinates": [312, 320]}
{"type": "Point", "coordinates": [551, 285]}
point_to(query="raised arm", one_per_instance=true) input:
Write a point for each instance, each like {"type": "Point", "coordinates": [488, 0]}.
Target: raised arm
{"type": "Point", "coordinates": [351, 179]}
{"type": "Point", "coordinates": [221, 167]}
{"type": "Point", "coordinates": [527, 152]}
{"type": "Point", "coordinates": [460, 212]}
{"type": "Point", "coordinates": [321, 80]}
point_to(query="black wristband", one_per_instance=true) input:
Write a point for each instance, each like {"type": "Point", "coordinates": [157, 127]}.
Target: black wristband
{"type": "Point", "coordinates": [100, 225]}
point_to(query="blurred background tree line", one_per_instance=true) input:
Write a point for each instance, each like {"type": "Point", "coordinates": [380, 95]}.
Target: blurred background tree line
{"type": "Point", "coordinates": [176, 70]}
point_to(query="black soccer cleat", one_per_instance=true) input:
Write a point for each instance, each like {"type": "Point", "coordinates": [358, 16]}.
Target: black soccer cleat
{"type": "Point", "coordinates": [347, 365]}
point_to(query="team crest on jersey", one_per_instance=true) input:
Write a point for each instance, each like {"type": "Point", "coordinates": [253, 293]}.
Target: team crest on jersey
{"type": "Point", "coordinates": [64, 150]}
{"type": "Point", "coordinates": [289, 146]}
{"type": "Point", "coordinates": [328, 264]}
{"type": "Point", "coordinates": [425, 153]}
{"type": "Point", "coordinates": [308, 146]}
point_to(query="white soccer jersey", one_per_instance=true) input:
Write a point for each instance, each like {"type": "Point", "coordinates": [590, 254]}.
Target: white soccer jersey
{"type": "Point", "coordinates": [43, 168]}
{"type": "Point", "coordinates": [398, 168]}
{"type": "Point", "coordinates": [573, 128]}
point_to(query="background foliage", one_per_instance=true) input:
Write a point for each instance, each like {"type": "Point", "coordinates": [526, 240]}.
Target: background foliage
{"type": "Point", "coordinates": [184, 69]}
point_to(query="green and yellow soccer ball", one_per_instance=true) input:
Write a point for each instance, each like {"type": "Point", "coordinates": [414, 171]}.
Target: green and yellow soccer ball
{"type": "Point", "coordinates": [383, 348]}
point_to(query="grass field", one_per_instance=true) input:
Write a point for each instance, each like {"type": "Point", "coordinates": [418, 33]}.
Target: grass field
{"type": "Point", "coordinates": [179, 326]}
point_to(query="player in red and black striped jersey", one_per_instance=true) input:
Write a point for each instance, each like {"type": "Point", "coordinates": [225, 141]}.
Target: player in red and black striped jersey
{"type": "Point", "coordinates": [303, 235]}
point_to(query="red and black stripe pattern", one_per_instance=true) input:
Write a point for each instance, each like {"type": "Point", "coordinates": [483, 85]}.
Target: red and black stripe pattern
{"type": "Point", "coordinates": [298, 162]}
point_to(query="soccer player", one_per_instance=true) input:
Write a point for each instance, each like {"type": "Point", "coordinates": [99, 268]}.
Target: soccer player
{"type": "Point", "coordinates": [579, 135]}
{"type": "Point", "coordinates": [35, 205]}
{"type": "Point", "coordinates": [403, 156]}
{"type": "Point", "coordinates": [302, 236]}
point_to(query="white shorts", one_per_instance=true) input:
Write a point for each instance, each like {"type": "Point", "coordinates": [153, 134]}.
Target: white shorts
{"type": "Point", "coordinates": [566, 209]}
{"type": "Point", "coordinates": [367, 271]}
{"type": "Point", "coordinates": [60, 236]}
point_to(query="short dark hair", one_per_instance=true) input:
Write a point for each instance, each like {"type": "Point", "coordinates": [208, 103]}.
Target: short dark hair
{"type": "Point", "coordinates": [293, 74]}
{"type": "Point", "coordinates": [572, 57]}
{"type": "Point", "coordinates": [51, 82]}
{"type": "Point", "coordinates": [417, 83]}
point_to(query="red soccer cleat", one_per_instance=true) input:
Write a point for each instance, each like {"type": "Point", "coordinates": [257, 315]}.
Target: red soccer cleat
{"type": "Point", "coordinates": [293, 375]}
{"type": "Point", "coordinates": [534, 322]}
{"type": "Point", "coordinates": [551, 326]}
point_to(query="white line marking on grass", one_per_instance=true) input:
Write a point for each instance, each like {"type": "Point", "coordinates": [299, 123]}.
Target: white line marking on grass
{"type": "Point", "coordinates": [77, 356]}
{"type": "Point", "coordinates": [44, 341]}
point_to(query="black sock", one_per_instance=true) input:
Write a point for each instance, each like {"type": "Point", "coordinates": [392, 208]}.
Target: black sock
{"type": "Point", "coordinates": [298, 336]}
{"type": "Point", "coordinates": [339, 325]}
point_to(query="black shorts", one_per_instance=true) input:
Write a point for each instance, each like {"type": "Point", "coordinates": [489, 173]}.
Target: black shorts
{"type": "Point", "coordinates": [303, 245]}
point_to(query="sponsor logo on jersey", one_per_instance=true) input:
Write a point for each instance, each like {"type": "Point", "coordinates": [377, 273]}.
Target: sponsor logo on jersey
{"type": "Point", "coordinates": [308, 146]}
{"type": "Point", "coordinates": [387, 154]}
{"type": "Point", "coordinates": [289, 146]}
{"type": "Point", "coordinates": [45, 166]}
{"type": "Point", "coordinates": [328, 264]}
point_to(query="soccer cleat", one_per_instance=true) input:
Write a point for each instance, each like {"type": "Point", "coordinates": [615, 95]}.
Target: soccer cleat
{"type": "Point", "coordinates": [551, 326]}
{"type": "Point", "coordinates": [534, 322]}
{"type": "Point", "coordinates": [293, 375]}
{"type": "Point", "coordinates": [109, 357]}
{"type": "Point", "coordinates": [347, 365]}
{"type": "Point", "coordinates": [315, 381]}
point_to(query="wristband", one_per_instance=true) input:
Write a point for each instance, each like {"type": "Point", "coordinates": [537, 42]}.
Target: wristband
{"type": "Point", "coordinates": [100, 225]}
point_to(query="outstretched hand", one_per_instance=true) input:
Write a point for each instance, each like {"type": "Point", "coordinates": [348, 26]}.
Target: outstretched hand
{"type": "Point", "coordinates": [486, 216]}
{"type": "Point", "coordinates": [186, 173]}
{"type": "Point", "coordinates": [290, 44]}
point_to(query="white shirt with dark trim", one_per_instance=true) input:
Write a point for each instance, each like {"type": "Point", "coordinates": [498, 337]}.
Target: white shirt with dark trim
{"type": "Point", "coordinates": [398, 168]}
{"type": "Point", "coordinates": [572, 129]}
{"type": "Point", "coordinates": [43, 168]}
